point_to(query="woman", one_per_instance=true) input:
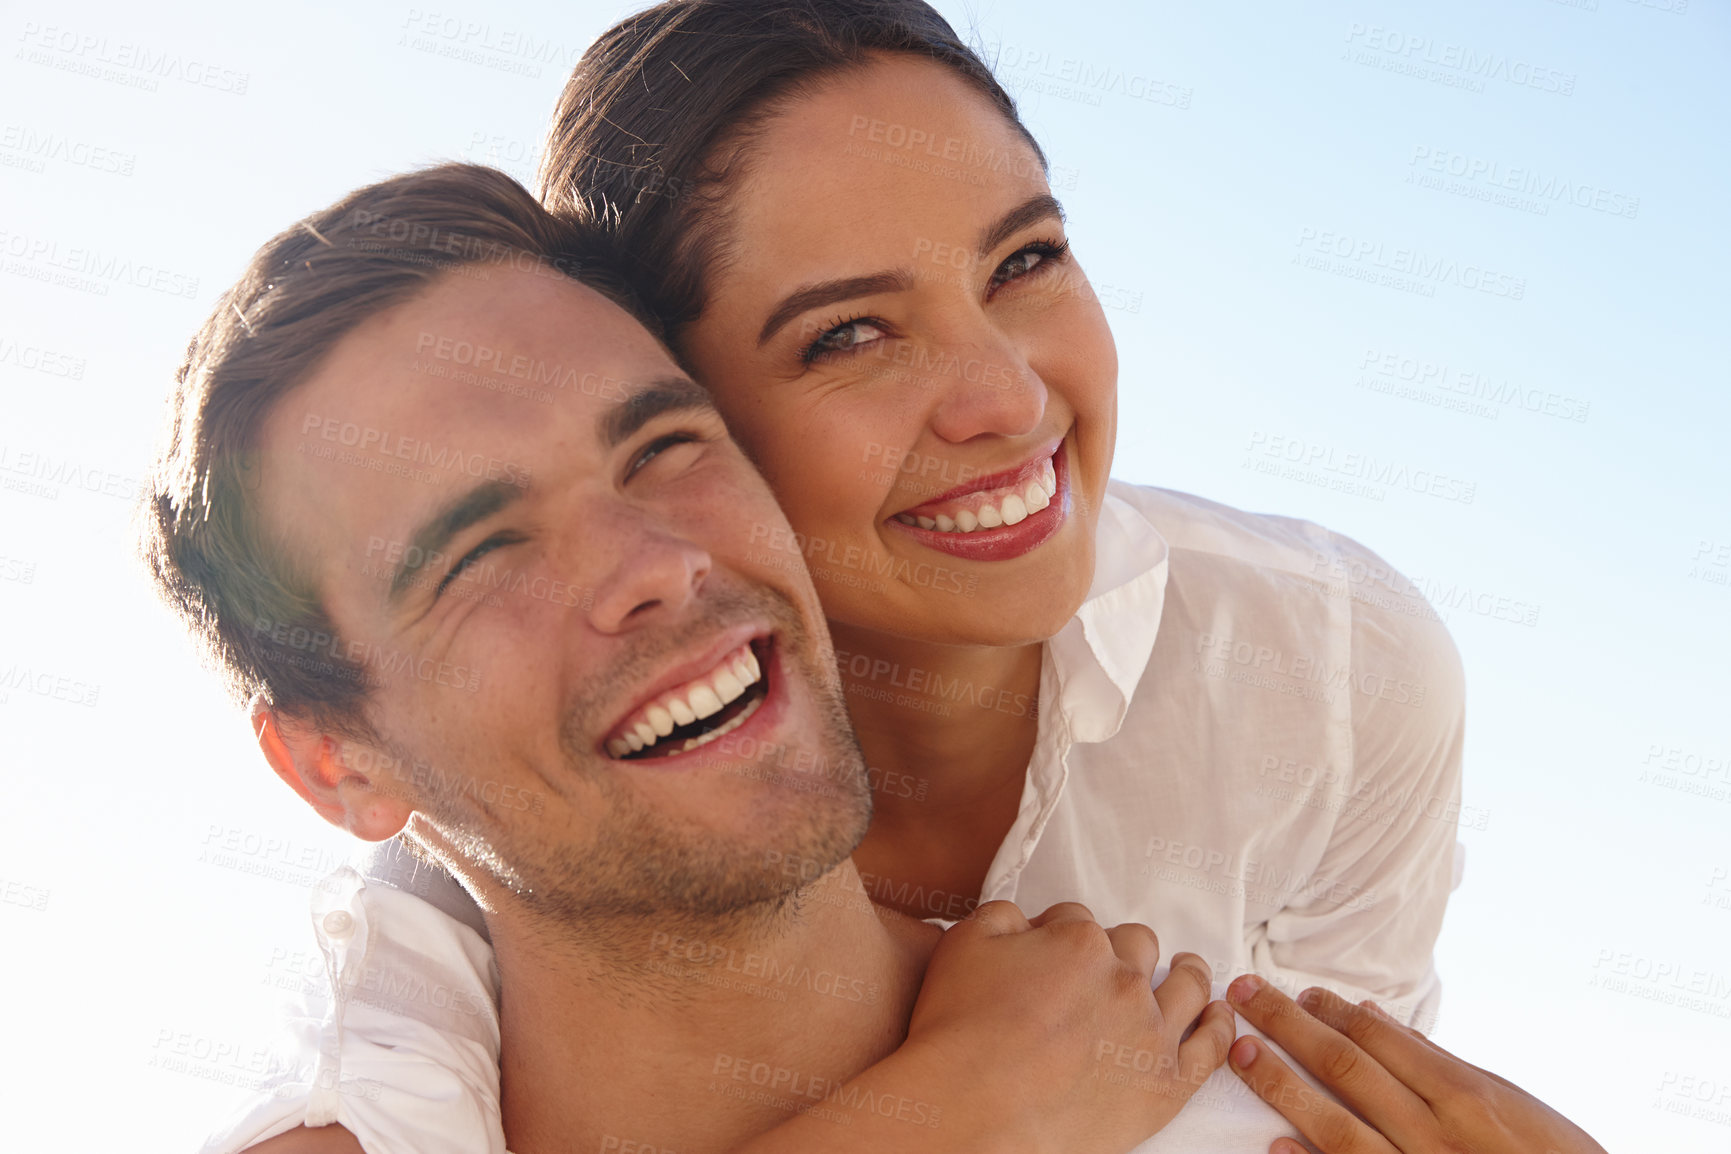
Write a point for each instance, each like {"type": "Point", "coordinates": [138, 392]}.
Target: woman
{"type": "Point", "coordinates": [1243, 729]}
{"type": "Point", "coordinates": [1176, 712]}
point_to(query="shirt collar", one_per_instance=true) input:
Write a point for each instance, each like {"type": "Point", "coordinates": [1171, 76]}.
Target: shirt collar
{"type": "Point", "coordinates": [1100, 654]}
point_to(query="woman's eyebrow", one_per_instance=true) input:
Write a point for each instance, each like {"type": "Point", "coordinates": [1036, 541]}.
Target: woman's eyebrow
{"type": "Point", "coordinates": [1033, 209]}
{"type": "Point", "coordinates": [828, 293]}
{"type": "Point", "coordinates": [831, 292]}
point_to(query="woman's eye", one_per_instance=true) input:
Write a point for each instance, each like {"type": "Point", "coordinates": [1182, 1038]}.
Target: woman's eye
{"type": "Point", "coordinates": [843, 338]}
{"type": "Point", "coordinates": [1028, 260]}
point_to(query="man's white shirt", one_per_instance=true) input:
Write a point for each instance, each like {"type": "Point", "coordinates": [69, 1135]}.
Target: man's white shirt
{"type": "Point", "coordinates": [1249, 737]}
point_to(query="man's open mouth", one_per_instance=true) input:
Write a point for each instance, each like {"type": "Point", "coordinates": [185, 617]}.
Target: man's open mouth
{"type": "Point", "coordinates": [699, 711]}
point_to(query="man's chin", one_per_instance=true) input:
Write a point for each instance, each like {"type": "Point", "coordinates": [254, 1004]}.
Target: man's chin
{"type": "Point", "coordinates": [650, 866]}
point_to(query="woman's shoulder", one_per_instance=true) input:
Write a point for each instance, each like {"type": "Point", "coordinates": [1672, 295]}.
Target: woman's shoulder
{"type": "Point", "coordinates": [1195, 524]}
{"type": "Point", "coordinates": [1309, 573]}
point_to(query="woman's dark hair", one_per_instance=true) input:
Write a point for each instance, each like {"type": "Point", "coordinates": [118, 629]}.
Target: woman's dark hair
{"type": "Point", "coordinates": [643, 139]}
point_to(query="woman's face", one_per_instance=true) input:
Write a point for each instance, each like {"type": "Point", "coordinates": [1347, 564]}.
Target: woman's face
{"type": "Point", "coordinates": [898, 336]}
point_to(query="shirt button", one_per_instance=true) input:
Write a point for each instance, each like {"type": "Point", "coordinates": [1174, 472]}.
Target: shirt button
{"type": "Point", "coordinates": [338, 923]}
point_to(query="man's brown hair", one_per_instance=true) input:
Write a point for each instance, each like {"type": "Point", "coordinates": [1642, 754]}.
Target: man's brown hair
{"type": "Point", "coordinates": [255, 611]}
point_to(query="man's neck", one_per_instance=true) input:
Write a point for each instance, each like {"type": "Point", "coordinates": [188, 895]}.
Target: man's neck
{"type": "Point", "coordinates": [694, 1040]}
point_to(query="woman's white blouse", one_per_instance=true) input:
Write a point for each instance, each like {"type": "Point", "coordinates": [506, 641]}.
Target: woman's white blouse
{"type": "Point", "coordinates": [1249, 738]}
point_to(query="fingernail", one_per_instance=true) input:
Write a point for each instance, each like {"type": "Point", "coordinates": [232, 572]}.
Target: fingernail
{"type": "Point", "coordinates": [1244, 988]}
{"type": "Point", "coordinates": [1243, 1051]}
{"type": "Point", "coordinates": [1311, 998]}
{"type": "Point", "coordinates": [1376, 1009]}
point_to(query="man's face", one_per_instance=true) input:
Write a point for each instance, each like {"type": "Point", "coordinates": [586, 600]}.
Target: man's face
{"type": "Point", "coordinates": [535, 535]}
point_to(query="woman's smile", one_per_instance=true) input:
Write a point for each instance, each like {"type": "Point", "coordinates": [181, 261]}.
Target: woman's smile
{"type": "Point", "coordinates": [995, 518]}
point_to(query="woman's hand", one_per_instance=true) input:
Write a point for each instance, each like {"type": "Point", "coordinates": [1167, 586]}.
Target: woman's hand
{"type": "Point", "coordinates": [1416, 1097]}
{"type": "Point", "coordinates": [1047, 1031]}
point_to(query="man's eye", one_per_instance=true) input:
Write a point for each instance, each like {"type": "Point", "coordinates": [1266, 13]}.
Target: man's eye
{"type": "Point", "coordinates": [473, 556]}
{"type": "Point", "coordinates": [844, 337]}
{"type": "Point", "coordinates": [657, 447]}
{"type": "Point", "coordinates": [1029, 260]}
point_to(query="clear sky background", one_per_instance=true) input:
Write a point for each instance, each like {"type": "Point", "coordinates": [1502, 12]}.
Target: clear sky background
{"type": "Point", "coordinates": [1294, 212]}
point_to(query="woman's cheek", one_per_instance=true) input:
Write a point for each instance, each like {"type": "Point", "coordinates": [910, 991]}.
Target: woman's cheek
{"type": "Point", "coordinates": [1080, 365]}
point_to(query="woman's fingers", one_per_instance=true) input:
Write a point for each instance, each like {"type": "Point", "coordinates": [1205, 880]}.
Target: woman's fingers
{"type": "Point", "coordinates": [994, 918]}
{"type": "Point", "coordinates": [1062, 912]}
{"type": "Point", "coordinates": [1335, 1059]}
{"type": "Point", "coordinates": [1331, 1127]}
{"type": "Point", "coordinates": [1420, 1064]}
{"type": "Point", "coordinates": [1136, 944]}
{"type": "Point", "coordinates": [1204, 1051]}
{"type": "Point", "coordinates": [1184, 991]}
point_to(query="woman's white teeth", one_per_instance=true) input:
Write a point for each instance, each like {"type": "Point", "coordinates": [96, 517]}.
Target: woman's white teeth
{"type": "Point", "coordinates": [1034, 497]}
{"type": "Point", "coordinates": [707, 696]}
{"type": "Point", "coordinates": [1012, 509]}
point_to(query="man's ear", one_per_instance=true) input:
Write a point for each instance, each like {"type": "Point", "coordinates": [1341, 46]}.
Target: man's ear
{"type": "Point", "coordinates": [312, 764]}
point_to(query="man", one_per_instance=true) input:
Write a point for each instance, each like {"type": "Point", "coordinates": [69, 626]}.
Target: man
{"type": "Point", "coordinates": [482, 559]}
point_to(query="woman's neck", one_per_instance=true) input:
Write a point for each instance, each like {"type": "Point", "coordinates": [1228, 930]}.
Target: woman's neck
{"type": "Point", "coordinates": [948, 732]}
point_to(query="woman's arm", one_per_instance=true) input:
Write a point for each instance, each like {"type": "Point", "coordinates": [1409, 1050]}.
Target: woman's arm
{"type": "Point", "coordinates": [1411, 1095]}
{"type": "Point", "coordinates": [1032, 1036]}
{"type": "Point", "coordinates": [1027, 1036]}
{"type": "Point", "coordinates": [1367, 920]}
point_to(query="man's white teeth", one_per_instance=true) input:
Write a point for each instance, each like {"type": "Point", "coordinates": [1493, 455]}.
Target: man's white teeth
{"type": "Point", "coordinates": [1012, 509]}
{"type": "Point", "coordinates": [695, 700]}
{"type": "Point", "coordinates": [705, 701]}
{"type": "Point", "coordinates": [728, 685]}
{"type": "Point", "coordinates": [726, 727]}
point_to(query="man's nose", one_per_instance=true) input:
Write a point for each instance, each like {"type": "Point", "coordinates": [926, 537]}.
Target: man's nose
{"type": "Point", "coordinates": [656, 573]}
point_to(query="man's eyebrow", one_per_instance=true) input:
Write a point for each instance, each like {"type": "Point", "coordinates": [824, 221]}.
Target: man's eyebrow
{"type": "Point", "coordinates": [667, 395]}
{"type": "Point", "coordinates": [429, 541]}
{"type": "Point", "coordinates": [828, 293]}
{"type": "Point", "coordinates": [899, 280]}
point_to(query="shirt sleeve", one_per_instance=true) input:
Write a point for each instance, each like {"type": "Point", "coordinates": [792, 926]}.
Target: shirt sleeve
{"type": "Point", "coordinates": [399, 1043]}
{"type": "Point", "coordinates": [1367, 925]}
